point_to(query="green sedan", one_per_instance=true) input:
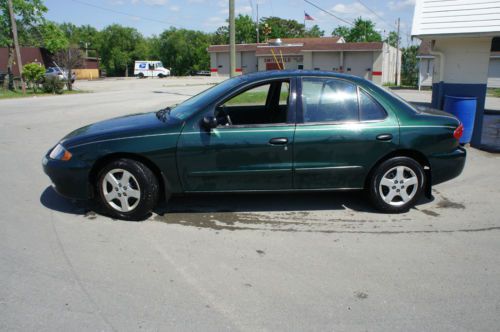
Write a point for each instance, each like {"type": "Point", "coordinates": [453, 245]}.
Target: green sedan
{"type": "Point", "coordinates": [279, 131]}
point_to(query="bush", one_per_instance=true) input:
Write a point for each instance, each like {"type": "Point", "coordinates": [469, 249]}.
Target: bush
{"type": "Point", "coordinates": [33, 73]}
{"type": "Point", "coordinates": [53, 85]}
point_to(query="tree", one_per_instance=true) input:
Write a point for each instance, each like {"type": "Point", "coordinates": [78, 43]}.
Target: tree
{"type": "Point", "coordinates": [392, 39]}
{"type": "Point", "coordinates": [53, 37]}
{"type": "Point", "coordinates": [184, 50]}
{"type": "Point", "coordinates": [33, 73]}
{"type": "Point", "coordinates": [245, 31]}
{"type": "Point", "coordinates": [361, 31]}
{"type": "Point", "coordinates": [28, 13]}
{"type": "Point", "coordinates": [85, 36]}
{"type": "Point", "coordinates": [409, 66]}
{"type": "Point", "coordinates": [314, 31]}
{"type": "Point", "coordinates": [119, 47]}
{"type": "Point", "coordinates": [69, 58]}
{"type": "Point", "coordinates": [282, 28]}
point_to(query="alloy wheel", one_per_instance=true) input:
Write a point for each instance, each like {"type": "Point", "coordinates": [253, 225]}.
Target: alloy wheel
{"type": "Point", "coordinates": [398, 186]}
{"type": "Point", "coordinates": [121, 190]}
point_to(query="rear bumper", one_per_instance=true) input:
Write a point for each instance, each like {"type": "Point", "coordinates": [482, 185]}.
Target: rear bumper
{"type": "Point", "coordinates": [447, 166]}
{"type": "Point", "coordinates": [70, 179]}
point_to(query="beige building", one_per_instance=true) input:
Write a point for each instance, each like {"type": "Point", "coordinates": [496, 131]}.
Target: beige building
{"type": "Point", "coordinates": [374, 61]}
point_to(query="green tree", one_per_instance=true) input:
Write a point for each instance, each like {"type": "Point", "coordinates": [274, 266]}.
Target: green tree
{"type": "Point", "coordinates": [409, 66]}
{"type": "Point", "coordinates": [85, 36]}
{"type": "Point", "coordinates": [118, 48]}
{"type": "Point", "coordinates": [184, 50]}
{"type": "Point", "coordinates": [245, 31]}
{"type": "Point", "coordinates": [282, 28]}
{"type": "Point", "coordinates": [29, 13]}
{"type": "Point", "coordinates": [361, 31]}
{"type": "Point", "coordinates": [33, 73]}
{"type": "Point", "coordinates": [392, 39]}
{"type": "Point", "coordinates": [53, 37]}
{"type": "Point", "coordinates": [314, 31]}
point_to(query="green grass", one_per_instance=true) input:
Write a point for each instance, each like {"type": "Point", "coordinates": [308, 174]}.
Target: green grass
{"type": "Point", "coordinates": [254, 98]}
{"type": "Point", "coordinates": [494, 92]}
{"type": "Point", "coordinates": [8, 94]}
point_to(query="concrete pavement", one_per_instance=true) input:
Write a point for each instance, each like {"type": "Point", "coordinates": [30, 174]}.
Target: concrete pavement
{"type": "Point", "coordinates": [234, 262]}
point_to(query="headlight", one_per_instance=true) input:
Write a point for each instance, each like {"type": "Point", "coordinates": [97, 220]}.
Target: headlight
{"type": "Point", "coordinates": [60, 153]}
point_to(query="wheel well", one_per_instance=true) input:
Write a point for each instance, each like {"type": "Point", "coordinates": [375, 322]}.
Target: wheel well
{"type": "Point", "coordinates": [416, 155]}
{"type": "Point", "coordinates": [103, 161]}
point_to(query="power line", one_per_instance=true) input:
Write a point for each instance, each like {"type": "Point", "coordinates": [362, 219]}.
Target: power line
{"type": "Point", "coordinates": [126, 14]}
{"type": "Point", "coordinates": [329, 13]}
{"type": "Point", "coordinates": [376, 14]}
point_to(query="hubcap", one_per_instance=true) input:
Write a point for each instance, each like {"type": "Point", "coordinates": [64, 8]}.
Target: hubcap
{"type": "Point", "coordinates": [398, 185]}
{"type": "Point", "coordinates": [121, 190]}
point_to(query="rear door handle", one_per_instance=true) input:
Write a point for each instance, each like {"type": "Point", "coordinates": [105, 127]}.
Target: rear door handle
{"type": "Point", "coordinates": [278, 141]}
{"type": "Point", "coordinates": [384, 137]}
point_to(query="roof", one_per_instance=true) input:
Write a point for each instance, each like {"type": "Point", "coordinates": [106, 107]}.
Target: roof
{"type": "Point", "coordinates": [295, 46]}
{"type": "Point", "coordinates": [455, 17]}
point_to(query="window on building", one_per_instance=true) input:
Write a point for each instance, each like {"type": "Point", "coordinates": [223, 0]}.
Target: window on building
{"type": "Point", "coordinates": [329, 100]}
{"type": "Point", "coordinates": [300, 67]}
{"type": "Point", "coordinates": [369, 109]}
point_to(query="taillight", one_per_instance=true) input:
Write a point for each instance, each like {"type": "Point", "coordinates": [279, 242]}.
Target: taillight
{"type": "Point", "coordinates": [458, 132]}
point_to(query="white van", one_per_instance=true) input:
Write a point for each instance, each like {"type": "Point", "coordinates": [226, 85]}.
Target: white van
{"type": "Point", "coordinates": [150, 69]}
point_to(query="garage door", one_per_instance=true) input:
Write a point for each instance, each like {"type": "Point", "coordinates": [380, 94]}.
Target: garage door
{"type": "Point", "coordinates": [223, 63]}
{"type": "Point", "coordinates": [358, 64]}
{"type": "Point", "coordinates": [325, 61]}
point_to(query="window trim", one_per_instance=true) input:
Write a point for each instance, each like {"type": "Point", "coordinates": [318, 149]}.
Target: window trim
{"type": "Point", "coordinates": [291, 113]}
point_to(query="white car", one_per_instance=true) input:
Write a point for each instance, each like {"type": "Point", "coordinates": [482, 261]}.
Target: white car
{"type": "Point", "coordinates": [60, 73]}
{"type": "Point", "coordinates": [150, 69]}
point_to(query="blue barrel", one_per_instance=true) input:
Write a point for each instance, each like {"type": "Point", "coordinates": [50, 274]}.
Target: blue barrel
{"type": "Point", "coordinates": [464, 108]}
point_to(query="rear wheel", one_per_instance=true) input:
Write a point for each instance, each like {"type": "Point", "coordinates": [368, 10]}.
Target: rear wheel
{"type": "Point", "coordinates": [161, 76]}
{"type": "Point", "coordinates": [141, 75]}
{"type": "Point", "coordinates": [397, 184]}
{"type": "Point", "coordinates": [128, 189]}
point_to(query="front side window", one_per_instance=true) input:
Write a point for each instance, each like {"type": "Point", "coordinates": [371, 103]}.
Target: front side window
{"type": "Point", "coordinates": [262, 104]}
{"type": "Point", "coordinates": [329, 100]}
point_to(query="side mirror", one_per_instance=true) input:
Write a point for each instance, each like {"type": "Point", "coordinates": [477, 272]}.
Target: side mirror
{"type": "Point", "coordinates": [209, 122]}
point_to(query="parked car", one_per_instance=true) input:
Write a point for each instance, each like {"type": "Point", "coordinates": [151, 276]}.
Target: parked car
{"type": "Point", "coordinates": [268, 131]}
{"type": "Point", "coordinates": [62, 74]}
{"type": "Point", "coordinates": [201, 73]}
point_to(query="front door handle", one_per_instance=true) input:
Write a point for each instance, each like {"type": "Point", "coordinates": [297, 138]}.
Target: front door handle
{"type": "Point", "coordinates": [384, 137]}
{"type": "Point", "coordinates": [278, 141]}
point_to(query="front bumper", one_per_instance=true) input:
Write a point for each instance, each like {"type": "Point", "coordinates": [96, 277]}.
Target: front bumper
{"type": "Point", "coordinates": [70, 178]}
{"type": "Point", "coordinates": [447, 166]}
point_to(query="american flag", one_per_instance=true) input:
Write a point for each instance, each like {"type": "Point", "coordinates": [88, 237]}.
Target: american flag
{"type": "Point", "coordinates": [308, 17]}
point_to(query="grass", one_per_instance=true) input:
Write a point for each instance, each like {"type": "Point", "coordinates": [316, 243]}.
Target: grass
{"type": "Point", "coordinates": [494, 92]}
{"type": "Point", "coordinates": [254, 98]}
{"type": "Point", "coordinates": [8, 94]}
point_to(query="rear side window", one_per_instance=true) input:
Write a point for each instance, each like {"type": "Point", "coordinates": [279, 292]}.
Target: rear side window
{"type": "Point", "coordinates": [329, 100]}
{"type": "Point", "coordinates": [369, 109]}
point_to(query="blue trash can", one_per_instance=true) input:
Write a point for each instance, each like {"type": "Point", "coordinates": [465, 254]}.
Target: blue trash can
{"type": "Point", "coordinates": [464, 108]}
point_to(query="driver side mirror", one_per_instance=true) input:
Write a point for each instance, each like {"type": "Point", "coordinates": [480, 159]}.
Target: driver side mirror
{"type": "Point", "coordinates": [209, 123]}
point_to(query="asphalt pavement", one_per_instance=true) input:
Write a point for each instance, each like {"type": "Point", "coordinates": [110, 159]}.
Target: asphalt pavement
{"type": "Point", "coordinates": [276, 262]}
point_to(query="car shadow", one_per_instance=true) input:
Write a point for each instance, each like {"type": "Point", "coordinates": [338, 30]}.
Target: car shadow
{"type": "Point", "coordinates": [357, 201]}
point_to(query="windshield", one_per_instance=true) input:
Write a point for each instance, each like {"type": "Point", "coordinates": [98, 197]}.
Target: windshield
{"type": "Point", "coordinates": [195, 103]}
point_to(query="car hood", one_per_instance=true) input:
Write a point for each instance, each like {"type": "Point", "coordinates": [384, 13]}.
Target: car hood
{"type": "Point", "coordinates": [142, 124]}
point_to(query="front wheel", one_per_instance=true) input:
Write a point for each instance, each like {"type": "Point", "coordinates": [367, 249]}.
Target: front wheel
{"type": "Point", "coordinates": [127, 189]}
{"type": "Point", "coordinates": [396, 184]}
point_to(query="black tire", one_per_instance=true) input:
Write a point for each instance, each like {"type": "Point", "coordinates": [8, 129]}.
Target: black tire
{"type": "Point", "coordinates": [143, 183]}
{"type": "Point", "coordinates": [141, 75]}
{"type": "Point", "coordinates": [161, 76]}
{"type": "Point", "coordinates": [387, 169]}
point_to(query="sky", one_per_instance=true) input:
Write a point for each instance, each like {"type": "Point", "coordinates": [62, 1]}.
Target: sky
{"type": "Point", "coordinates": [151, 17]}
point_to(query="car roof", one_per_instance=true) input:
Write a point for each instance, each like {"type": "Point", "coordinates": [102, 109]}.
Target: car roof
{"type": "Point", "coordinates": [287, 73]}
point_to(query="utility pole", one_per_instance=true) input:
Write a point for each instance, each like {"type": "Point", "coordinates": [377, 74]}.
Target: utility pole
{"type": "Point", "coordinates": [397, 57]}
{"type": "Point", "coordinates": [232, 40]}
{"type": "Point", "coordinates": [16, 44]}
{"type": "Point", "coordinates": [257, 23]}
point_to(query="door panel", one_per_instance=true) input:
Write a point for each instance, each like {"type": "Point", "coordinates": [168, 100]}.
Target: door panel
{"type": "Point", "coordinates": [236, 159]}
{"type": "Point", "coordinates": [332, 148]}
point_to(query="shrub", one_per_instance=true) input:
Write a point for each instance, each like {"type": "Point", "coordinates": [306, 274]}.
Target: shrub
{"type": "Point", "coordinates": [53, 84]}
{"type": "Point", "coordinates": [33, 73]}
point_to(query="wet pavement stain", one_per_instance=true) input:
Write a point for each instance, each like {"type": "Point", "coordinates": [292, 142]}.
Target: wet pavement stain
{"type": "Point", "coordinates": [430, 213]}
{"type": "Point", "coordinates": [261, 252]}
{"type": "Point", "coordinates": [445, 203]}
{"type": "Point", "coordinates": [361, 295]}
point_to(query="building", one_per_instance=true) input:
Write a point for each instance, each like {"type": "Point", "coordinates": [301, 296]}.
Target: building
{"type": "Point", "coordinates": [426, 65]}
{"type": "Point", "coordinates": [459, 34]}
{"type": "Point", "coordinates": [374, 61]}
{"type": "Point", "coordinates": [88, 70]}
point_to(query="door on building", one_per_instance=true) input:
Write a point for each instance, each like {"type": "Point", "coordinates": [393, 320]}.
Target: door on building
{"type": "Point", "coordinates": [250, 149]}
{"type": "Point", "coordinates": [335, 142]}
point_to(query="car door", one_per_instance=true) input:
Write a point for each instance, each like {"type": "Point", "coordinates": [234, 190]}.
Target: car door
{"type": "Point", "coordinates": [342, 131]}
{"type": "Point", "coordinates": [250, 149]}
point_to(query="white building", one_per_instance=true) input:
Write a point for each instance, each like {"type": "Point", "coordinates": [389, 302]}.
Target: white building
{"type": "Point", "coordinates": [375, 61]}
{"type": "Point", "coordinates": [459, 33]}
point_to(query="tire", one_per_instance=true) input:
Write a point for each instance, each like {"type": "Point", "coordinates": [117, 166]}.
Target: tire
{"type": "Point", "coordinates": [161, 76]}
{"type": "Point", "coordinates": [141, 75]}
{"type": "Point", "coordinates": [131, 199]}
{"type": "Point", "coordinates": [388, 193]}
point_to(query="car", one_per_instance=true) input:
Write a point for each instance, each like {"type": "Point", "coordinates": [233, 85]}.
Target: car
{"type": "Point", "coordinates": [276, 131]}
{"type": "Point", "coordinates": [62, 74]}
